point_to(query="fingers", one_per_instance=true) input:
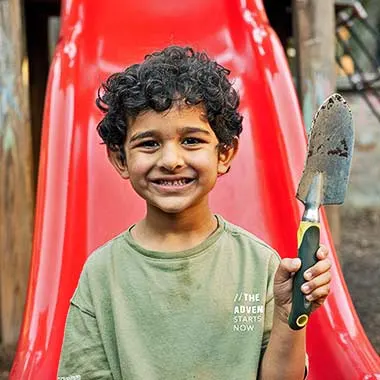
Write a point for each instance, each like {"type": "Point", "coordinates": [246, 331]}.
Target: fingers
{"type": "Point", "coordinates": [318, 278]}
{"type": "Point", "coordinates": [319, 268]}
{"type": "Point", "coordinates": [286, 269]}
{"type": "Point", "coordinates": [318, 294]}
{"type": "Point", "coordinates": [322, 252]}
{"type": "Point", "coordinates": [318, 287]}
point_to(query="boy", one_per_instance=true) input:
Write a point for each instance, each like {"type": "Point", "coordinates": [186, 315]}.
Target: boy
{"type": "Point", "coordinates": [157, 302]}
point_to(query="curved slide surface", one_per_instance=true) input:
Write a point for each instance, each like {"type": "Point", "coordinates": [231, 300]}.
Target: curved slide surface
{"type": "Point", "coordinates": [82, 202]}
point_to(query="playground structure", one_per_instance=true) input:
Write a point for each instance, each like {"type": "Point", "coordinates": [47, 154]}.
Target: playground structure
{"type": "Point", "coordinates": [82, 202]}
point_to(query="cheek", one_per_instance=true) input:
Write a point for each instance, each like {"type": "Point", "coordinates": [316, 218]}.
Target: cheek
{"type": "Point", "coordinates": [138, 167]}
{"type": "Point", "coordinates": [205, 162]}
{"type": "Point", "coordinates": [205, 157]}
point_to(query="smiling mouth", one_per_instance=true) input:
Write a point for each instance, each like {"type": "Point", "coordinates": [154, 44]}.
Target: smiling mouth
{"type": "Point", "coordinates": [174, 183]}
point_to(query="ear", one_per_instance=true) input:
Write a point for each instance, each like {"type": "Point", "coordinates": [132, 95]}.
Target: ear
{"type": "Point", "coordinates": [118, 163]}
{"type": "Point", "coordinates": [226, 155]}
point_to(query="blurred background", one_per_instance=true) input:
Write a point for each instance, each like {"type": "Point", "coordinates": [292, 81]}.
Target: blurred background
{"type": "Point", "coordinates": [311, 32]}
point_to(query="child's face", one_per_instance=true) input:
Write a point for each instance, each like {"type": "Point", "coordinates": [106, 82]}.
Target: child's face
{"type": "Point", "coordinates": [173, 159]}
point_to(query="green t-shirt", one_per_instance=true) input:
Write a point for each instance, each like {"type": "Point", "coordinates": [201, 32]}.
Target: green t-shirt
{"type": "Point", "coordinates": [204, 313]}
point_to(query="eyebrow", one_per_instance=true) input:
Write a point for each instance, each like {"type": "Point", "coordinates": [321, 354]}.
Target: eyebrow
{"type": "Point", "coordinates": [142, 135]}
{"type": "Point", "coordinates": [183, 131]}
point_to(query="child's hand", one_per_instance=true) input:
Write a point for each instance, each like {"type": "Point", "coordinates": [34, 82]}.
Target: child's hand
{"type": "Point", "coordinates": [316, 287]}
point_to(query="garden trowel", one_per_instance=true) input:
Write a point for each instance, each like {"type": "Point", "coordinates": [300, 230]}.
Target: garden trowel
{"type": "Point", "coordinates": [324, 182]}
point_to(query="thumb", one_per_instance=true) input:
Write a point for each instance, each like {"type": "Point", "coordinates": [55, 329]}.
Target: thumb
{"type": "Point", "coordinates": [286, 269]}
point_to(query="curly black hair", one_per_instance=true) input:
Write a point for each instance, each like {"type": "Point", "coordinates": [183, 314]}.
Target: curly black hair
{"type": "Point", "coordinates": [175, 74]}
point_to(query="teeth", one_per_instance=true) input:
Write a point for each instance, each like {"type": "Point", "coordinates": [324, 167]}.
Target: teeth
{"type": "Point", "coordinates": [179, 182]}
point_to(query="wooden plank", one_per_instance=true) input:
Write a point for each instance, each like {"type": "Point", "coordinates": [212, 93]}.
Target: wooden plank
{"type": "Point", "coordinates": [314, 31]}
{"type": "Point", "coordinates": [16, 195]}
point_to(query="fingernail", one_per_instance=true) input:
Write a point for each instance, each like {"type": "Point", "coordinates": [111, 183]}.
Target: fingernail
{"type": "Point", "coordinates": [309, 297]}
{"type": "Point", "coordinates": [305, 288]}
{"type": "Point", "coordinates": [295, 263]}
{"type": "Point", "coordinates": [307, 275]}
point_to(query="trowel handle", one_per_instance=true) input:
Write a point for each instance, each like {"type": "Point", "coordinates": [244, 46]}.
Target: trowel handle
{"type": "Point", "coordinates": [308, 244]}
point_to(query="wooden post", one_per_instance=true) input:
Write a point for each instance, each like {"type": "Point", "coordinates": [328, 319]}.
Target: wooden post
{"type": "Point", "coordinates": [16, 195]}
{"type": "Point", "coordinates": [314, 31]}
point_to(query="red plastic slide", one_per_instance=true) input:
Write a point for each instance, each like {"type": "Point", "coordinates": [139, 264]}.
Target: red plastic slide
{"type": "Point", "coordinates": [82, 202]}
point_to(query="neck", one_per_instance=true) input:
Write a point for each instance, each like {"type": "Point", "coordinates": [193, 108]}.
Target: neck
{"type": "Point", "coordinates": [186, 222]}
{"type": "Point", "coordinates": [175, 232]}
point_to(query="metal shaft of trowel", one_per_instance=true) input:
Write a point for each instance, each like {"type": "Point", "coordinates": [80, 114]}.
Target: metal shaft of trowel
{"type": "Point", "coordinates": [313, 199]}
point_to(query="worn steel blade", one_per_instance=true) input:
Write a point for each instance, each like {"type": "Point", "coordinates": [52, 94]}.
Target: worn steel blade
{"type": "Point", "coordinates": [330, 151]}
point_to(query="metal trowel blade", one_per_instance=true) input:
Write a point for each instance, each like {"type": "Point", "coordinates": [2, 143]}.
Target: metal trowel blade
{"type": "Point", "coordinates": [330, 151]}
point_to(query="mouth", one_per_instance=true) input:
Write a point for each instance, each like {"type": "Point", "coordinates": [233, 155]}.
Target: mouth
{"type": "Point", "coordinates": [180, 182]}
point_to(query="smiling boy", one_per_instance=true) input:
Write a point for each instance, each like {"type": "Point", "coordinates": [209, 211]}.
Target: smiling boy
{"type": "Point", "coordinates": [182, 294]}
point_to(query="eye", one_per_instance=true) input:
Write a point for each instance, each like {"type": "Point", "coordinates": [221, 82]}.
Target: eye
{"type": "Point", "coordinates": [149, 144]}
{"type": "Point", "coordinates": [192, 141]}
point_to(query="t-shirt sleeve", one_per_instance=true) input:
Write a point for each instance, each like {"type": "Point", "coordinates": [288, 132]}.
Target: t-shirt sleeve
{"type": "Point", "coordinates": [269, 305]}
{"type": "Point", "coordinates": [82, 356]}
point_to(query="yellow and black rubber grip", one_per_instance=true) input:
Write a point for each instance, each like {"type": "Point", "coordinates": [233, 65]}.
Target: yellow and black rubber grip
{"type": "Point", "coordinates": [308, 244]}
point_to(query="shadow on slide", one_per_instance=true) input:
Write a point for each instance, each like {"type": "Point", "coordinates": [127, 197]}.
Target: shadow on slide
{"type": "Point", "coordinates": [82, 202]}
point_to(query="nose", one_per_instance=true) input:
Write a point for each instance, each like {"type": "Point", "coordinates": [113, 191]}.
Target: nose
{"type": "Point", "coordinates": [170, 158]}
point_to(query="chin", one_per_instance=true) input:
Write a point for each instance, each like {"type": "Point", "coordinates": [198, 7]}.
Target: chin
{"type": "Point", "coordinates": [173, 208]}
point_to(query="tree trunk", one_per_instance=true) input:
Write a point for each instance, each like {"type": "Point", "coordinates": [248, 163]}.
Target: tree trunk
{"type": "Point", "coordinates": [314, 30]}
